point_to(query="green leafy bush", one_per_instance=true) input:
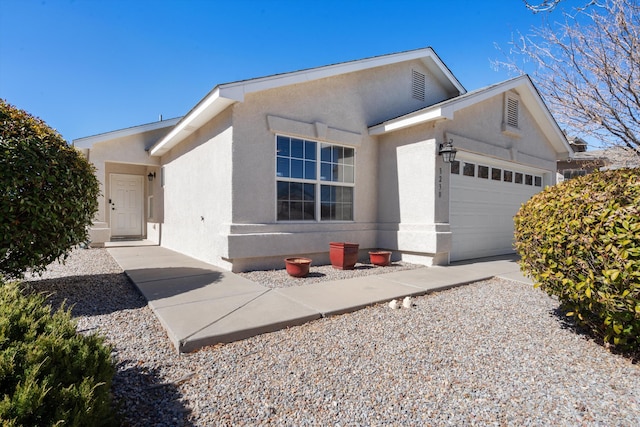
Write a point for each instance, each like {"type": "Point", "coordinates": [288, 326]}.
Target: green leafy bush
{"type": "Point", "coordinates": [48, 193]}
{"type": "Point", "coordinates": [580, 241]}
{"type": "Point", "coordinates": [49, 373]}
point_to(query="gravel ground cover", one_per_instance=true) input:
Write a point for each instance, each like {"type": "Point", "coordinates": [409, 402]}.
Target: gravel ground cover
{"type": "Point", "coordinates": [319, 273]}
{"type": "Point", "coordinates": [490, 353]}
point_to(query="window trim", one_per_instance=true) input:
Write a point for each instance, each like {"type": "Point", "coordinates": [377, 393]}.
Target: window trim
{"type": "Point", "coordinates": [318, 182]}
{"type": "Point", "coordinates": [483, 172]}
{"type": "Point", "coordinates": [464, 169]}
{"type": "Point", "coordinates": [509, 169]}
{"type": "Point", "coordinates": [493, 174]}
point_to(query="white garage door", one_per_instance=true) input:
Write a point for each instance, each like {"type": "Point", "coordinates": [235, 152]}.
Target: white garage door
{"type": "Point", "coordinates": [485, 195]}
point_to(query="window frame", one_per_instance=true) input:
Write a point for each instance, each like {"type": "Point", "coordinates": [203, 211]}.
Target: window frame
{"type": "Point", "coordinates": [455, 167]}
{"type": "Point", "coordinates": [318, 182]}
{"type": "Point", "coordinates": [483, 172]}
{"type": "Point", "coordinates": [465, 169]}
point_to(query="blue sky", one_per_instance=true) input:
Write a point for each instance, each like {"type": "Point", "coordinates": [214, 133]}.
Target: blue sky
{"type": "Point", "coordinates": [92, 66]}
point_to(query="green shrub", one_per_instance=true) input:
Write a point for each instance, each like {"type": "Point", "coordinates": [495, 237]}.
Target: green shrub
{"type": "Point", "coordinates": [580, 241]}
{"type": "Point", "coordinates": [49, 373]}
{"type": "Point", "coordinates": [48, 194]}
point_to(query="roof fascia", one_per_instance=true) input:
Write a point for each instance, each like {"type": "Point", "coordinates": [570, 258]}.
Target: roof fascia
{"type": "Point", "coordinates": [226, 94]}
{"type": "Point", "coordinates": [435, 112]}
{"type": "Point", "coordinates": [541, 112]}
{"type": "Point", "coordinates": [446, 110]}
{"type": "Point", "coordinates": [422, 116]}
{"type": "Point", "coordinates": [205, 110]}
{"type": "Point", "coordinates": [237, 90]}
{"type": "Point", "coordinates": [89, 141]}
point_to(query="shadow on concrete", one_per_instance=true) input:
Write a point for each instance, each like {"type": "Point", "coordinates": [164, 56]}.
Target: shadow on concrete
{"type": "Point", "coordinates": [507, 257]}
{"type": "Point", "coordinates": [315, 274]}
{"type": "Point", "coordinates": [142, 398]}
{"type": "Point", "coordinates": [89, 295]}
{"type": "Point", "coordinates": [166, 282]}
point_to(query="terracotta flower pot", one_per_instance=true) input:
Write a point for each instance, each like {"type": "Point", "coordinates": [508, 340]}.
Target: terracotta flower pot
{"type": "Point", "coordinates": [297, 266]}
{"type": "Point", "coordinates": [344, 256]}
{"type": "Point", "coordinates": [381, 258]}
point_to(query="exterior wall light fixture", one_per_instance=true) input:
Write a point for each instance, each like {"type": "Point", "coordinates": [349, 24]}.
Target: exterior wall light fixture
{"type": "Point", "coordinates": [151, 176]}
{"type": "Point", "coordinates": [448, 152]}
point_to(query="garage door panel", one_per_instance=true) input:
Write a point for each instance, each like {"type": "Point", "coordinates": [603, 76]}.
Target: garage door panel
{"type": "Point", "coordinates": [481, 214]}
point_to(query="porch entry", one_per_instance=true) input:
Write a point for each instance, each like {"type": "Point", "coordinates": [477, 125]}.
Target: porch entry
{"type": "Point", "coordinates": [126, 203]}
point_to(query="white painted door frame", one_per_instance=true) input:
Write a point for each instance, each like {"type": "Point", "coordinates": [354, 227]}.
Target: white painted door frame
{"type": "Point", "coordinates": [126, 204]}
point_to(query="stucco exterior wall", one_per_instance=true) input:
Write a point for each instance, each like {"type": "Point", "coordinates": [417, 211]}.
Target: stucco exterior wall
{"type": "Point", "coordinates": [413, 198]}
{"type": "Point", "coordinates": [337, 110]}
{"type": "Point", "coordinates": [413, 181]}
{"type": "Point", "coordinates": [478, 129]}
{"type": "Point", "coordinates": [119, 154]}
{"type": "Point", "coordinates": [214, 196]}
{"type": "Point", "coordinates": [197, 191]}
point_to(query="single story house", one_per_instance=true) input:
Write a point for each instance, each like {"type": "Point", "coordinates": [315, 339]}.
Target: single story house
{"type": "Point", "coordinates": [280, 166]}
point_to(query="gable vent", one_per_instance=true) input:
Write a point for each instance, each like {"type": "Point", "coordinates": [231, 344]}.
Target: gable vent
{"type": "Point", "coordinates": [512, 112]}
{"type": "Point", "coordinates": [417, 85]}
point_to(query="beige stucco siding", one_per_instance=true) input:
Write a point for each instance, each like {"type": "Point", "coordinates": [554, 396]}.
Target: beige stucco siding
{"type": "Point", "coordinates": [124, 155]}
{"type": "Point", "coordinates": [478, 129]}
{"type": "Point", "coordinates": [413, 182]}
{"type": "Point", "coordinates": [413, 201]}
{"type": "Point", "coordinates": [338, 110]}
{"type": "Point", "coordinates": [197, 192]}
{"type": "Point", "coordinates": [218, 199]}
{"type": "Point", "coordinates": [350, 102]}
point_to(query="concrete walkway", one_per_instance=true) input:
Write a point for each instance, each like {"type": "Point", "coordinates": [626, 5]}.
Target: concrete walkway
{"type": "Point", "coordinates": [199, 304]}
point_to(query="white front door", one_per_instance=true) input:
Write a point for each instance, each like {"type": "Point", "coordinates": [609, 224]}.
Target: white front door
{"type": "Point", "coordinates": [126, 204]}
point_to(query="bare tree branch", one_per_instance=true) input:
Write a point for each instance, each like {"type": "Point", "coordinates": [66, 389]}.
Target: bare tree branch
{"type": "Point", "coordinates": [545, 6]}
{"type": "Point", "coordinates": [587, 68]}
{"type": "Point", "coordinates": [550, 5]}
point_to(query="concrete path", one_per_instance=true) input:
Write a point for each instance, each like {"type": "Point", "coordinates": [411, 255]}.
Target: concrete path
{"type": "Point", "coordinates": [199, 304]}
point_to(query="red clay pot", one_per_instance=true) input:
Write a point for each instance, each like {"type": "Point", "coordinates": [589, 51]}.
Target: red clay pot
{"type": "Point", "coordinates": [381, 258]}
{"type": "Point", "coordinates": [343, 255]}
{"type": "Point", "coordinates": [297, 266]}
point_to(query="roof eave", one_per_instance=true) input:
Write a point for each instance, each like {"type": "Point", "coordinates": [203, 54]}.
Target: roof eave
{"type": "Point", "coordinates": [446, 110]}
{"type": "Point", "coordinates": [226, 94]}
{"type": "Point", "coordinates": [89, 141]}
{"type": "Point", "coordinates": [423, 116]}
{"type": "Point", "coordinates": [237, 90]}
{"type": "Point", "coordinates": [212, 105]}
{"type": "Point", "coordinates": [552, 130]}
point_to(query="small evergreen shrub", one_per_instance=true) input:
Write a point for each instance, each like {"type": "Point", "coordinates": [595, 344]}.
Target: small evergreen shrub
{"type": "Point", "coordinates": [50, 374]}
{"type": "Point", "coordinates": [580, 241]}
